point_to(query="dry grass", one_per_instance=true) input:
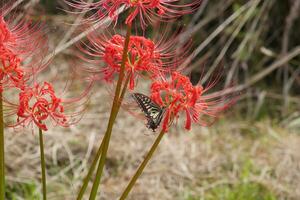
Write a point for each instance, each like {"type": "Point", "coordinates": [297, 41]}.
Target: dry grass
{"type": "Point", "coordinates": [186, 163]}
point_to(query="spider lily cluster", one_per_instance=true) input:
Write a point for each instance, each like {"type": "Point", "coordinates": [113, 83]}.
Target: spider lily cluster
{"type": "Point", "coordinates": [18, 43]}
{"type": "Point", "coordinates": [23, 47]}
{"type": "Point", "coordinates": [133, 58]}
{"type": "Point", "coordinates": [161, 63]}
{"type": "Point", "coordinates": [124, 60]}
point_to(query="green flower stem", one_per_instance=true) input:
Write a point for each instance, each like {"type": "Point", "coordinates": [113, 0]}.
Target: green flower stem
{"type": "Point", "coordinates": [98, 154]}
{"type": "Point", "coordinates": [43, 165]}
{"type": "Point", "coordinates": [123, 93]}
{"type": "Point", "coordinates": [142, 166]}
{"type": "Point", "coordinates": [112, 118]}
{"type": "Point", "coordinates": [2, 165]}
{"type": "Point", "coordinates": [90, 172]}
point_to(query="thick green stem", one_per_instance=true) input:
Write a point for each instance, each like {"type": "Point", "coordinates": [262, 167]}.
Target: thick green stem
{"type": "Point", "coordinates": [43, 165]}
{"type": "Point", "coordinates": [122, 68]}
{"type": "Point", "coordinates": [123, 93]}
{"type": "Point", "coordinates": [142, 166]}
{"type": "Point", "coordinates": [2, 165]}
{"type": "Point", "coordinates": [112, 118]}
{"type": "Point", "coordinates": [98, 154]}
{"type": "Point", "coordinates": [90, 172]}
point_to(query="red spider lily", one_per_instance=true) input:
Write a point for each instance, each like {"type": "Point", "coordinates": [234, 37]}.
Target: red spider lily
{"type": "Point", "coordinates": [22, 49]}
{"type": "Point", "coordinates": [10, 72]}
{"type": "Point", "coordinates": [144, 56]}
{"type": "Point", "coordinates": [145, 10]}
{"type": "Point", "coordinates": [177, 95]}
{"type": "Point", "coordinates": [39, 103]}
{"type": "Point", "coordinates": [141, 57]}
{"type": "Point", "coordinates": [22, 38]}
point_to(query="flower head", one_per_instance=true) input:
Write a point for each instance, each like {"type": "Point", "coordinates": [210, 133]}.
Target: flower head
{"type": "Point", "coordinates": [21, 52]}
{"type": "Point", "coordinates": [144, 57]}
{"type": "Point", "coordinates": [23, 38]}
{"type": "Point", "coordinates": [177, 95]}
{"type": "Point", "coordinates": [23, 47]}
{"type": "Point", "coordinates": [10, 71]}
{"type": "Point", "coordinates": [38, 104]}
{"type": "Point", "coordinates": [145, 10]}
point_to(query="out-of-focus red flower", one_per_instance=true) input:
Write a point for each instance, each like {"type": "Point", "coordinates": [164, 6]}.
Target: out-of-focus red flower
{"type": "Point", "coordinates": [144, 57]}
{"type": "Point", "coordinates": [38, 104]}
{"type": "Point", "coordinates": [23, 38]}
{"type": "Point", "coordinates": [22, 49]}
{"type": "Point", "coordinates": [145, 10]}
{"type": "Point", "coordinates": [177, 94]}
{"type": "Point", "coordinates": [10, 71]}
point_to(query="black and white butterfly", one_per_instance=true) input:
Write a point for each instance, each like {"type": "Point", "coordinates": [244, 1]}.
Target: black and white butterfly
{"type": "Point", "coordinates": [153, 112]}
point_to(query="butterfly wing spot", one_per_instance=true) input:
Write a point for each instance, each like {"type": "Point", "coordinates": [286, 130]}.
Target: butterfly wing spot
{"type": "Point", "coordinates": [153, 112]}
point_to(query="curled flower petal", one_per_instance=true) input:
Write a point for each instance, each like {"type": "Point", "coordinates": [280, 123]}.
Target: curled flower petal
{"type": "Point", "coordinates": [188, 122]}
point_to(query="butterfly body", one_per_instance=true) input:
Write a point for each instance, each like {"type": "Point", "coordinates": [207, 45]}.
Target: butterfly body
{"type": "Point", "coordinates": [153, 112]}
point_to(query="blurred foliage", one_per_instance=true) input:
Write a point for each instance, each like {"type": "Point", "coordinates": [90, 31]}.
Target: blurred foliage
{"type": "Point", "coordinates": [241, 191]}
{"type": "Point", "coordinates": [50, 6]}
{"type": "Point", "coordinates": [26, 191]}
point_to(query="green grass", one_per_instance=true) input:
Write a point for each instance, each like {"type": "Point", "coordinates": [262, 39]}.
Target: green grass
{"type": "Point", "coordinates": [240, 191]}
{"type": "Point", "coordinates": [243, 189]}
{"type": "Point", "coordinates": [26, 191]}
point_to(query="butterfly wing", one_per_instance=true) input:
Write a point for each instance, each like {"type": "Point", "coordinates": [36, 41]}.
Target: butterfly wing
{"type": "Point", "coordinates": [153, 112]}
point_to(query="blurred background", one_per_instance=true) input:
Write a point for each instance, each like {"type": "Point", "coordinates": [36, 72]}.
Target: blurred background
{"type": "Point", "coordinates": [250, 153]}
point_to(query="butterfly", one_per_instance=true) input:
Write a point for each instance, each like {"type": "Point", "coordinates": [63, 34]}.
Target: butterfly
{"type": "Point", "coordinates": [153, 112]}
